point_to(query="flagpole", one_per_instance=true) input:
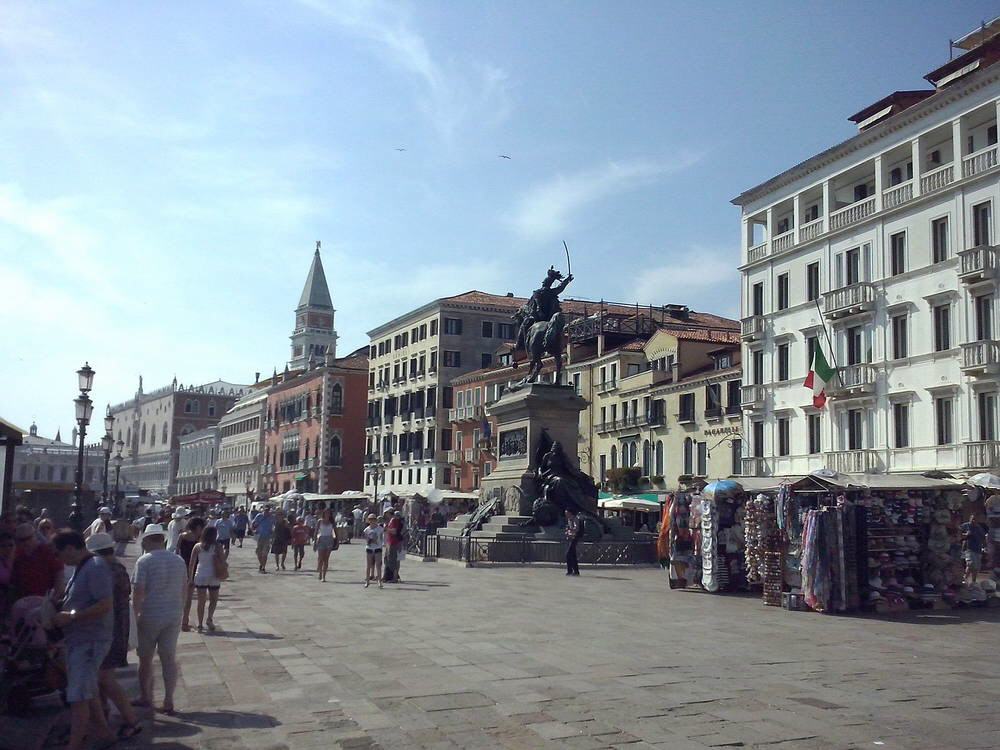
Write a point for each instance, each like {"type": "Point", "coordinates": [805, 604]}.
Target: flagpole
{"type": "Point", "coordinates": [829, 341]}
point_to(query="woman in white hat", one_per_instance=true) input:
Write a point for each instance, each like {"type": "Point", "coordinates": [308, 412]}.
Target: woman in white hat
{"type": "Point", "coordinates": [102, 546]}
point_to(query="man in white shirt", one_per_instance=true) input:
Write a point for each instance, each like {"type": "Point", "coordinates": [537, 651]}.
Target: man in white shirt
{"type": "Point", "coordinates": [101, 524]}
{"type": "Point", "coordinates": [359, 517]}
{"type": "Point", "coordinates": [175, 528]}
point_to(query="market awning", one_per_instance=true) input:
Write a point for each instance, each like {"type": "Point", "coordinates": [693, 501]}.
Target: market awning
{"type": "Point", "coordinates": [879, 481]}
{"type": "Point", "coordinates": [629, 503]}
{"type": "Point", "coordinates": [301, 477]}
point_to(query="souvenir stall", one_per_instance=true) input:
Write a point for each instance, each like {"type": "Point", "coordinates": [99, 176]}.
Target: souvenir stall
{"type": "Point", "coordinates": [881, 543]}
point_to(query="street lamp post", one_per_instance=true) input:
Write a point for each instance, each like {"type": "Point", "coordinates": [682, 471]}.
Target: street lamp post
{"type": "Point", "coordinates": [378, 472]}
{"type": "Point", "coordinates": [84, 409]}
{"type": "Point", "coordinates": [106, 444]}
{"type": "Point", "coordinates": [117, 461]}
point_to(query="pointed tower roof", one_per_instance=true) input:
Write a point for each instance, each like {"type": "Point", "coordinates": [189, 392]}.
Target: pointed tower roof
{"type": "Point", "coordinates": [316, 293]}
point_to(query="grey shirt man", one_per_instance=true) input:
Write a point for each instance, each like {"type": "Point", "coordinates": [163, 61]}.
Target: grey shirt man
{"type": "Point", "coordinates": [163, 578]}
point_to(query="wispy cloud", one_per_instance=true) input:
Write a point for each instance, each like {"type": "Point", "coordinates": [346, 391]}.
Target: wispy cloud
{"type": "Point", "coordinates": [449, 95]}
{"type": "Point", "coordinates": [546, 210]}
{"type": "Point", "coordinates": [703, 278]}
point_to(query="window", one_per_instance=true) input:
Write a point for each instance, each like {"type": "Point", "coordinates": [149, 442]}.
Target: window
{"type": "Point", "coordinates": [984, 317]}
{"type": "Point", "coordinates": [713, 399]}
{"type": "Point", "coordinates": [981, 220]}
{"type": "Point", "coordinates": [939, 239]}
{"type": "Point", "coordinates": [163, 437]}
{"type": "Point", "coordinates": [603, 462]}
{"type": "Point", "coordinates": [782, 226]}
{"type": "Point", "coordinates": [733, 396]}
{"type": "Point", "coordinates": [783, 291]}
{"type": "Point", "coordinates": [686, 408]}
{"type": "Point", "coordinates": [853, 266]}
{"type": "Point", "coordinates": [784, 444]}
{"type": "Point", "coordinates": [434, 331]}
{"type": "Point", "coordinates": [187, 410]}
{"type": "Point", "coordinates": [855, 429]}
{"type": "Point", "coordinates": [197, 407]}
{"type": "Point", "coordinates": [812, 281]}
{"type": "Point", "coordinates": [812, 213]}
{"type": "Point", "coordinates": [942, 328]}
{"type": "Point", "coordinates": [943, 411]}
{"type": "Point", "coordinates": [614, 457]}
{"type": "Point", "coordinates": [659, 458]}
{"type": "Point", "coordinates": [335, 450]}
{"type": "Point", "coordinates": [337, 399]}
{"type": "Point", "coordinates": [855, 345]}
{"type": "Point", "coordinates": [758, 439]}
{"type": "Point", "coordinates": [860, 192]}
{"type": "Point", "coordinates": [434, 361]}
{"type": "Point", "coordinates": [900, 425]}
{"type": "Point", "coordinates": [897, 253]}
{"type": "Point", "coordinates": [757, 358]}
{"type": "Point", "coordinates": [987, 407]}
{"type": "Point", "coordinates": [811, 342]}
{"type": "Point", "coordinates": [211, 408]}
{"type": "Point", "coordinates": [487, 359]}
{"type": "Point", "coordinates": [487, 329]}
{"type": "Point", "coordinates": [647, 458]}
{"type": "Point", "coordinates": [758, 298]}
{"type": "Point", "coordinates": [702, 459]}
{"type": "Point", "coordinates": [900, 344]}
{"type": "Point", "coordinates": [453, 326]}
{"type": "Point", "coordinates": [505, 331]}
{"type": "Point", "coordinates": [452, 359]}
{"type": "Point", "coordinates": [688, 456]}
{"type": "Point", "coordinates": [576, 383]}
{"type": "Point", "coordinates": [815, 436]}
{"type": "Point", "coordinates": [895, 176]}
{"type": "Point", "coordinates": [736, 448]}
{"type": "Point", "coordinates": [782, 362]}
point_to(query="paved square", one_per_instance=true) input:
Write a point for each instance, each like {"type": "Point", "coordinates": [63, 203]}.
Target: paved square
{"type": "Point", "coordinates": [528, 658]}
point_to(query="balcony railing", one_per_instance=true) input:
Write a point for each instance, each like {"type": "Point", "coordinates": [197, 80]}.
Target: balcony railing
{"type": "Point", "coordinates": [852, 214]}
{"type": "Point", "coordinates": [979, 162]}
{"type": "Point", "coordinates": [811, 230]}
{"type": "Point", "coordinates": [713, 412]}
{"type": "Point", "coordinates": [982, 454]}
{"type": "Point", "coordinates": [752, 327]}
{"type": "Point", "coordinates": [753, 467]}
{"type": "Point", "coordinates": [937, 179]}
{"type": "Point", "coordinates": [752, 396]}
{"type": "Point", "coordinates": [471, 454]}
{"type": "Point", "coordinates": [897, 195]}
{"type": "Point", "coordinates": [855, 379]}
{"type": "Point", "coordinates": [980, 357]}
{"type": "Point", "coordinates": [849, 300]}
{"type": "Point", "coordinates": [607, 386]}
{"type": "Point", "coordinates": [685, 417]}
{"type": "Point", "coordinates": [757, 252]}
{"type": "Point", "coordinates": [852, 461]}
{"type": "Point", "coordinates": [782, 242]}
{"type": "Point", "coordinates": [978, 263]}
{"type": "Point", "coordinates": [455, 457]}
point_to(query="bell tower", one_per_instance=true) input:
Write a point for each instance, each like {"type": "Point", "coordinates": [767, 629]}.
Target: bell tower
{"type": "Point", "coordinates": [313, 334]}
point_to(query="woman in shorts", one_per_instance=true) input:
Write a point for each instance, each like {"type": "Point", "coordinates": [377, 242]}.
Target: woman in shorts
{"type": "Point", "coordinates": [374, 536]}
{"type": "Point", "coordinates": [326, 542]}
{"type": "Point", "coordinates": [202, 572]}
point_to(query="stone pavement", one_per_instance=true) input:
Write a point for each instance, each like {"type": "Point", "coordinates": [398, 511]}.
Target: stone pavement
{"type": "Point", "coordinates": [527, 658]}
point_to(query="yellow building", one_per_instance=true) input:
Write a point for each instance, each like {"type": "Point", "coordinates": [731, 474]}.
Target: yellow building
{"type": "Point", "coordinates": [664, 395]}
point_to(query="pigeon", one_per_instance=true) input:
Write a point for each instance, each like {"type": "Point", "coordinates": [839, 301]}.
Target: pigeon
{"type": "Point", "coordinates": [502, 156]}
{"type": "Point", "coordinates": [400, 149]}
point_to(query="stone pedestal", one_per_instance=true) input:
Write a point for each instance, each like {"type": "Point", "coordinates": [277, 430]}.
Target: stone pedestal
{"type": "Point", "coordinates": [521, 416]}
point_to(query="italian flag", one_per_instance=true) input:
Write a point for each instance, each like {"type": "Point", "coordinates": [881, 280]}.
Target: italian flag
{"type": "Point", "coordinates": [819, 375]}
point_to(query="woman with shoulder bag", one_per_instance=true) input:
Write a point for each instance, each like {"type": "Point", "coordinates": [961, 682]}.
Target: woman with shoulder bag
{"type": "Point", "coordinates": [207, 569]}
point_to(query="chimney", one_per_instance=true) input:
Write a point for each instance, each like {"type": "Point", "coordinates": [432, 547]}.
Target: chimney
{"type": "Point", "coordinates": [256, 377]}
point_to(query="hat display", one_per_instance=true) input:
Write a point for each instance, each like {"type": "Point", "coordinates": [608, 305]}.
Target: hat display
{"type": "Point", "coordinates": [98, 542]}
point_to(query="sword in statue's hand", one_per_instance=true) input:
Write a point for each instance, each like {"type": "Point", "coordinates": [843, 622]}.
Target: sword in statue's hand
{"type": "Point", "coordinates": [569, 268]}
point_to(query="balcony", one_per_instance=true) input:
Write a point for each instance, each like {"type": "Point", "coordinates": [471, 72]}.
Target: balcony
{"type": "Point", "coordinates": [855, 380]}
{"type": "Point", "coordinates": [978, 264]}
{"type": "Point", "coordinates": [713, 412]}
{"type": "Point", "coordinates": [734, 410]}
{"type": "Point", "coordinates": [782, 242]}
{"type": "Point", "coordinates": [849, 300]}
{"type": "Point", "coordinates": [852, 214]}
{"type": "Point", "coordinates": [752, 328]}
{"type": "Point", "coordinates": [471, 454]}
{"type": "Point", "coordinates": [981, 161]}
{"type": "Point", "coordinates": [649, 420]}
{"type": "Point", "coordinates": [981, 357]}
{"type": "Point", "coordinates": [853, 461]}
{"type": "Point", "coordinates": [753, 467]}
{"type": "Point", "coordinates": [982, 454]}
{"type": "Point", "coordinates": [757, 252]}
{"type": "Point", "coordinates": [607, 386]}
{"type": "Point", "coordinates": [455, 458]}
{"type": "Point", "coordinates": [387, 457]}
{"type": "Point", "coordinates": [685, 417]}
{"type": "Point", "coordinates": [752, 397]}
{"type": "Point", "coordinates": [428, 454]}
{"type": "Point", "coordinates": [937, 179]}
{"type": "Point", "coordinates": [604, 427]}
{"type": "Point", "coordinates": [897, 195]}
{"type": "Point", "coordinates": [811, 230]}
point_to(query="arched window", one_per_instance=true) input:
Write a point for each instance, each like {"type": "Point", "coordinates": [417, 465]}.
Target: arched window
{"type": "Point", "coordinates": [308, 401]}
{"type": "Point", "coordinates": [50, 473]}
{"type": "Point", "coordinates": [659, 458]}
{"type": "Point", "coordinates": [128, 440]}
{"type": "Point", "coordinates": [633, 457]}
{"type": "Point", "coordinates": [119, 435]}
{"type": "Point", "coordinates": [197, 407]}
{"type": "Point", "coordinates": [647, 458]}
{"type": "Point", "coordinates": [335, 451]}
{"type": "Point", "coordinates": [38, 472]}
{"type": "Point", "coordinates": [614, 456]}
{"type": "Point", "coordinates": [163, 439]}
{"type": "Point", "coordinates": [688, 456]}
{"type": "Point", "coordinates": [305, 453]}
{"type": "Point", "coordinates": [188, 408]}
{"type": "Point", "coordinates": [336, 399]}
{"type": "Point", "coordinates": [152, 435]}
{"type": "Point", "coordinates": [211, 408]}
{"type": "Point", "coordinates": [142, 439]}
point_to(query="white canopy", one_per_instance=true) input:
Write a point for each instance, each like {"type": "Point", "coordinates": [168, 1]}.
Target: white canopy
{"type": "Point", "coordinates": [629, 503]}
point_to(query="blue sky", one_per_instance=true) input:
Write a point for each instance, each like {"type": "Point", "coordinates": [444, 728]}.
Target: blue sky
{"type": "Point", "coordinates": [165, 168]}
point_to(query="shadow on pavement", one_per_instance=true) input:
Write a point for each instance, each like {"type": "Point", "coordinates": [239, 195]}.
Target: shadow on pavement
{"type": "Point", "coordinates": [245, 634]}
{"type": "Point", "coordinates": [228, 719]}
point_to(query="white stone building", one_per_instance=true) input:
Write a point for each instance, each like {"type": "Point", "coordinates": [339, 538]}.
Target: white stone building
{"type": "Point", "coordinates": [885, 246]}
{"type": "Point", "coordinates": [241, 437]}
{"type": "Point", "coordinates": [196, 460]}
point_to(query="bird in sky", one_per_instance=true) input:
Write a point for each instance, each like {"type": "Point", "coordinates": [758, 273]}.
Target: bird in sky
{"type": "Point", "coordinates": [502, 156]}
{"type": "Point", "coordinates": [401, 149]}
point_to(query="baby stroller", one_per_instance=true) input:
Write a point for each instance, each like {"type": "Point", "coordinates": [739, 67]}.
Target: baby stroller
{"type": "Point", "coordinates": [31, 663]}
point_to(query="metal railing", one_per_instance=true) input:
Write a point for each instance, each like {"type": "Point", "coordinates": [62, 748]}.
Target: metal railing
{"type": "Point", "coordinates": [607, 386]}
{"type": "Point", "coordinates": [525, 551]}
{"type": "Point", "coordinates": [713, 412]}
